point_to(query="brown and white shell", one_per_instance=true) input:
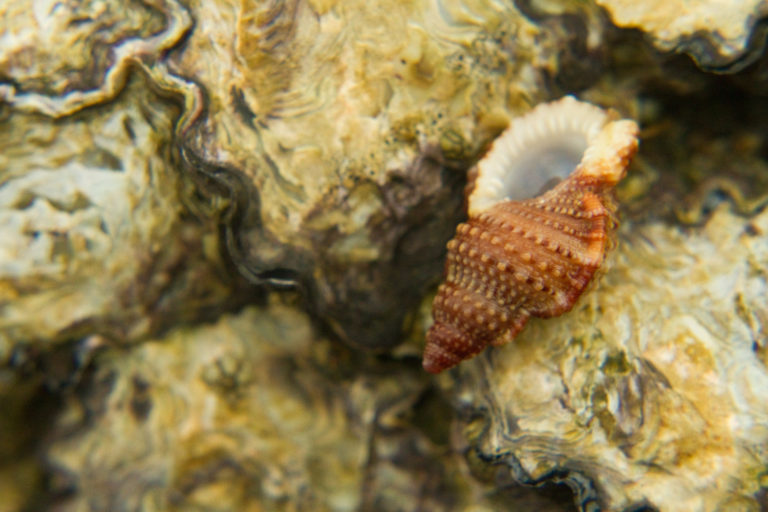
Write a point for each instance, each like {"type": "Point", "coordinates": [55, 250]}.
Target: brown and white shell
{"type": "Point", "coordinates": [518, 257]}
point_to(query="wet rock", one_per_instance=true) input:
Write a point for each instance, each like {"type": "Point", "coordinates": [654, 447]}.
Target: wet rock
{"type": "Point", "coordinates": [258, 411]}
{"type": "Point", "coordinates": [720, 36]}
{"type": "Point", "coordinates": [344, 130]}
{"type": "Point", "coordinates": [652, 391]}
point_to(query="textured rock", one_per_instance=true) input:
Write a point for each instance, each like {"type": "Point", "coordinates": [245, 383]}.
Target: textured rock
{"type": "Point", "coordinates": [344, 129]}
{"type": "Point", "coordinates": [147, 146]}
{"type": "Point", "coordinates": [333, 150]}
{"type": "Point", "coordinates": [255, 412]}
{"type": "Point", "coordinates": [95, 238]}
{"type": "Point", "coordinates": [59, 57]}
{"type": "Point", "coordinates": [654, 389]}
{"type": "Point", "coordinates": [720, 36]}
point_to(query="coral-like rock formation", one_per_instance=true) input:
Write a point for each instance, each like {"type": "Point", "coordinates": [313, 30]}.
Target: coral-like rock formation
{"type": "Point", "coordinates": [653, 391]}
{"type": "Point", "coordinates": [722, 36]}
{"type": "Point", "coordinates": [154, 152]}
{"type": "Point", "coordinates": [255, 411]}
{"type": "Point", "coordinates": [94, 236]}
{"type": "Point", "coordinates": [344, 130]}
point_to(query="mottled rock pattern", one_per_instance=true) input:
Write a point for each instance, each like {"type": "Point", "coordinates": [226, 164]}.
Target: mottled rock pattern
{"type": "Point", "coordinates": [344, 128]}
{"type": "Point", "coordinates": [95, 237]}
{"type": "Point", "coordinates": [654, 389]}
{"type": "Point", "coordinates": [720, 36]}
{"type": "Point", "coordinates": [147, 146]}
{"type": "Point", "coordinates": [255, 412]}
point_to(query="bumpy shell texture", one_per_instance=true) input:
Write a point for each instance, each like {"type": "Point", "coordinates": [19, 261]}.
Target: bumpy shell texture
{"type": "Point", "coordinates": [515, 257]}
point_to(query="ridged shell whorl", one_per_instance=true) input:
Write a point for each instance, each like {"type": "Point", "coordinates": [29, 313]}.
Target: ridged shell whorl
{"type": "Point", "coordinates": [527, 251]}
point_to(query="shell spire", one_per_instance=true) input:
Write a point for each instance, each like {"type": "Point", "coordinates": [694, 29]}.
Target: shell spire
{"type": "Point", "coordinates": [524, 252]}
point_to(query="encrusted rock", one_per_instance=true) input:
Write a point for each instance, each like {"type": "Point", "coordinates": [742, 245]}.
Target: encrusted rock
{"type": "Point", "coordinates": [654, 390]}
{"type": "Point", "coordinates": [330, 137]}
{"type": "Point", "coordinates": [720, 36]}
{"type": "Point", "coordinates": [344, 130]}
{"type": "Point", "coordinates": [256, 412]}
{"type": "Point", "coordinates": [95, 239]}
{"type": "Point", "coordinates": [152, 151]}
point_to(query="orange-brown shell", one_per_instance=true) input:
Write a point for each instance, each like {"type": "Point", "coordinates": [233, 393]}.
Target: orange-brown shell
{"type": "Point", "coordinates": [532, 257]}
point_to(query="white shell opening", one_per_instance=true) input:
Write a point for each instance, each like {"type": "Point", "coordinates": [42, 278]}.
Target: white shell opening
{"type": "Point", "coordinates": [537, 150]}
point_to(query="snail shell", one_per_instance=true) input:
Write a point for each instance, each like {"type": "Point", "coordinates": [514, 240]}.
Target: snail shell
{"type": "Point", "coordinates": [518, 257]}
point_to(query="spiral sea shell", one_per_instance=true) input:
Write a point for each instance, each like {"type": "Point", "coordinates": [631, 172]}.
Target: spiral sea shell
{"type": "Point", "coordinates": [518, 257]}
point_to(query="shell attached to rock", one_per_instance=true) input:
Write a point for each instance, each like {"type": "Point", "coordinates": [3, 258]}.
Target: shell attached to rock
{"type": "Point", "coordinates": [519, 256]}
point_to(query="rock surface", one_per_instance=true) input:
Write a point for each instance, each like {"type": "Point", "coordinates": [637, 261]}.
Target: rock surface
{"type": "Point", "coordinates": [167, 169]}
{"type": "Point", "coordinates": [256, 412]}
{"type": "Point", "coordinates": [720, 36]}
{"type": "Point", "coordinates": [654, 389]}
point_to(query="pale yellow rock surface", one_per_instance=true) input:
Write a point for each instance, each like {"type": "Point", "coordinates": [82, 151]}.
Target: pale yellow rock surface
{"type": "Point", "coordinates": [717, 33]}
